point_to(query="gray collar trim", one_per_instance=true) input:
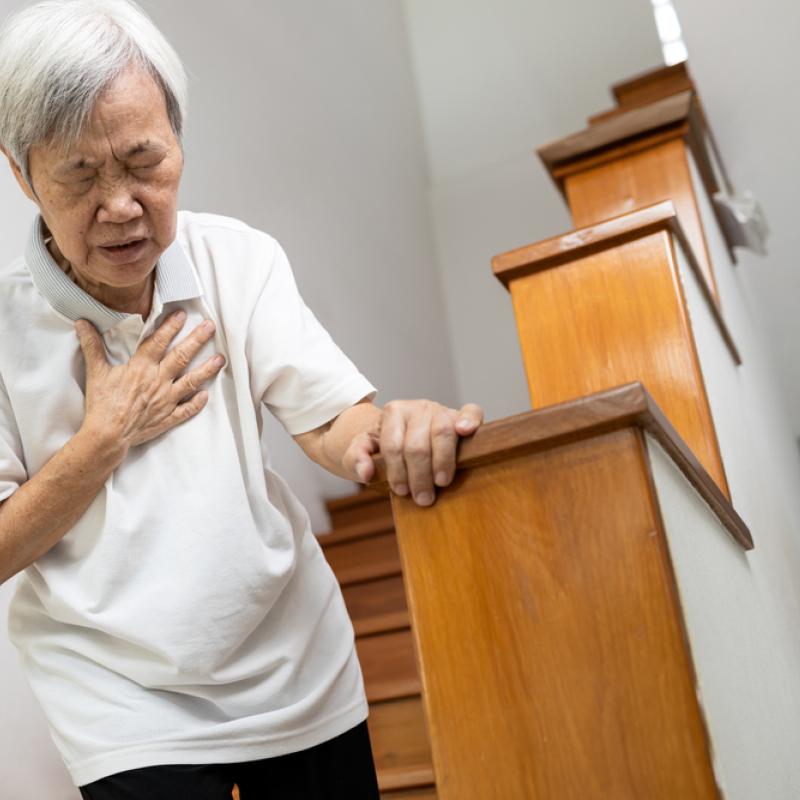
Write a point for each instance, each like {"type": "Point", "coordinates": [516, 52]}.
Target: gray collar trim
{"type": "Point", "coordinates": [175, 280]}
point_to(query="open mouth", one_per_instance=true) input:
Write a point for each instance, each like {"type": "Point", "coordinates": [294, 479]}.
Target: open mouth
{"type": "Point", "coordinates": [124, 248]}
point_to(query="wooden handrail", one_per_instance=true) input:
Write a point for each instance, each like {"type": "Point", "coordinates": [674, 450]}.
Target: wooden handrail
{"type": "Point", "coordinates": [605, 235]}
{"type": "Point", "coordinates": [624, 406]}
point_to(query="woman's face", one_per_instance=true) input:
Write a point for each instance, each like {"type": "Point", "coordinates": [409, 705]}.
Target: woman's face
{"type": "Point", "coordinates": [110, 201]}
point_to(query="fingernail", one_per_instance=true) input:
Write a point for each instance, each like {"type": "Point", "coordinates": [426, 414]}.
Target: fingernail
{"type": "Point", "coordinates": [424, 498]}
{"type": "Point", "coordinates": [401, 489]}
{"type": "Point", "coordinates": [361, 471]}
{"type": "Point", "coordinates": [180, 316]}
{"type": "Point", "coordinates": [441, 479]}
{"type": "Point", "coordinates": [208, 326]}
{"type": "Point", "coordinates": [219, 361]}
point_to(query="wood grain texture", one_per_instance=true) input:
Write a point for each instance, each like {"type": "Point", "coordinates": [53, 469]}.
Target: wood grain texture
{"type": "Point", "coordinates": [391, 779]}
{"type": "Point", "coordinates": [652, 85]}
{"type": "Point", "coordinates": [616, 151]}
{"type": "Point", "coordinates": [389, 665]}
{"type": "Point", "coordinates": [611, 318]}
{"type": "Point", "coordinates": [638, 121]}
{"type": "Point", "coordinates": [366, 504]}
{"type": "Point", "coordinates": [365, 559]}
{"type": "Point", "coordinates": [583, 418]}
{"type": "Point", "coordinates": [659, 173]}
{"type": "Point", "coordinates": [654, 109]}
{"type": "Point", "coordinates": [399, 734]}
{"type": "Point", "coordinates": [362, 529]}
{"type": "Point", "coordinates": [553, 659]}
{"type": "Point", "coordinates": [375, 598]}
{"type": "Point", "coordinates": [384, 623]}
{"type": "Point", "coordinates": [565, 247]}
{"type": "Point", "coordinates": [413, 794]}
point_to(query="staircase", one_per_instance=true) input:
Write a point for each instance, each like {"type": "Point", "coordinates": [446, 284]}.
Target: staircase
{"type": "Point", "coordinates": [362, 551]}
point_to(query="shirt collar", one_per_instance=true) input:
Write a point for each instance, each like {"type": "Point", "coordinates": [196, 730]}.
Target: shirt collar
{"type": "Point", "coordinates": [175, 280]}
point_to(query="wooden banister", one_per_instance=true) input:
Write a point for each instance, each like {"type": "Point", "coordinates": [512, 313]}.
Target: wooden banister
{"type": "Point", "coordinates": [606, 305]}
{"type": "Point", "coordinates": [552, 646]}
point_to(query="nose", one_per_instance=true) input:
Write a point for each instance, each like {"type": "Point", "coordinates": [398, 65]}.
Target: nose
{"type": "Point", "coordinates": [118, 205]}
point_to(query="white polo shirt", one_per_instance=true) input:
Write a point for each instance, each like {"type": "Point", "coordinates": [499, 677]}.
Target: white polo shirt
{"type": "Point", "coordinates": [189, 616]}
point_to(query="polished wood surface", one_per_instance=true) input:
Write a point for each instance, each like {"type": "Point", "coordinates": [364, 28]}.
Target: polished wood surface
{"type": "Point", "coordinates": [397, 779]}
{"type": "Point", "coordinates": [398, 733]}
{"type": "Point", "coordinates": [365, 560]}
{"type": "Point", "coordinates": [389, 665]}
{"type": "Point", "coordinates": [553, 656]}
{"type": "Point", "coordinates": [583, 418]}
{"type": "Point", "coordinates": [362, 550]}
{"type": "Point", "coordinates": [383, 623]}
{"type": "Point", "coordinates": [647, 88]}
{"type": "Point", "coordinates": [375, 598]}
{"type": "Point", "coordinates": [664, 113]}
{"type": "Point", "coordinates": [413, 794]}
{"type": "Point", "coordinates": [362, 529]}
{"type": "Point", "coordinates": [639, 153]}
{"type": "Point", "coordinates": [366, 504]}
{"type": "Point", "coordinates": [604, 235]}
{"type": "Point", "coordinates": [611, 317]}
{"type": "Point", "coordinates": [641, 179]}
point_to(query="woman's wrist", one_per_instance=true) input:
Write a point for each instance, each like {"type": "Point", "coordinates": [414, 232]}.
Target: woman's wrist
{"type": "Point", "coordinates": [101, 445]}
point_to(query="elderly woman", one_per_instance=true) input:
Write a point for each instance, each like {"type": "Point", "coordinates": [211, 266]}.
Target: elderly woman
{"type": "Point", "coordinates": [174, 615]}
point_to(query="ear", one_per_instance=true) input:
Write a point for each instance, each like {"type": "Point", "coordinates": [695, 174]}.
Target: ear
{"type": "Point", "coordinates": [23, 184]}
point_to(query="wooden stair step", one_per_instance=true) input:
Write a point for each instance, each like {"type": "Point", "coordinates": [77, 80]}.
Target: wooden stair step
{"type": "Point", "coordinates": [358, 530]}
{"type": "Point", "coordinates": [389, 665]}
{"type": "Point", "coordinates": [383, 623]}
{"type": "Point", "coordinates": [411, 794]}
{"type": "Point", "coordinates": [365, 505]}
{"type": "Point", "coordinates": [398, 732]}
{"type": "Point", "coordinates": [374, 599]}
{"type": "Point", "coordinates": [416, 776]}
{"type": "Point", "coordinates": [365, 559]}
{"type": "Point", "coordinates": [396, 689]}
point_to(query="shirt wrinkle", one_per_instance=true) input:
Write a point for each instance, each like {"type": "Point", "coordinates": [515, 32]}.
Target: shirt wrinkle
{"type": "Point", "coordinates": [195, 549]}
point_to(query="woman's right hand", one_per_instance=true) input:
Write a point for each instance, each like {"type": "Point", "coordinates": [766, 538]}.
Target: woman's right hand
{"type": "Point", "coordinates": [135, 402]}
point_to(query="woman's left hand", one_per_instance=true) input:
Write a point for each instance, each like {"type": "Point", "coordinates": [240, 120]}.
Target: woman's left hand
{"type": "Point", "coordinates": [418, 440]}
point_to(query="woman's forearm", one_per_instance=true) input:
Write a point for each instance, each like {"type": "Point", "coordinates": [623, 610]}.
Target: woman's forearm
{"type": "Point", "coordinates": [328, 444]}
{"type": "Point", "coordinates": [49, 504]}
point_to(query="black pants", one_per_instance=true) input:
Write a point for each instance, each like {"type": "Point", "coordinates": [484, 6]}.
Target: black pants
{"type": "Point", "coordinates": [340, 768]}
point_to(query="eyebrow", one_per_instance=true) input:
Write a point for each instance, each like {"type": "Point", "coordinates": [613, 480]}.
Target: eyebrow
{"type": "Point", "coordinates": [142, 147]}
{"type": "Point", "coordinates": [137, 149]}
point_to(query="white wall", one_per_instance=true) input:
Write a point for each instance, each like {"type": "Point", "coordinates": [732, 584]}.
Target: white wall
{"type": "Point", "coordinates": [495, 81]}
{"type": "Point", "coordinates": [303, 122]}
{"type": "Point", "coordinates": [746, 677]}
{"type": "Point", "coordinates": [745, 59]}
{"type": "Point", "coordinates": [752, 700]}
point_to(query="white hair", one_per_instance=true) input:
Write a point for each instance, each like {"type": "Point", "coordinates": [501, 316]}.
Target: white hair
{"type": "Point", "coordinates": [56, 57]}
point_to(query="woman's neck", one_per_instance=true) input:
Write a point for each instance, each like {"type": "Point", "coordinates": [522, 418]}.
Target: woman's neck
{"type": "Point", "coordinates": [129, 299]}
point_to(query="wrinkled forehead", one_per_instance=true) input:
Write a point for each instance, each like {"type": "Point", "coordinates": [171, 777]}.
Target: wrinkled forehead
{"type": "Point", "coordinates": [129, 118]}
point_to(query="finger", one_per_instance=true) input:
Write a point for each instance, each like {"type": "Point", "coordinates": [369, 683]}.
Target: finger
{"type": "Point", "coordinates": [182, 413]}
{"type": "Point", "coordinates": [357, 459]}
{"type": "Point", "coordinates": [469, 419]}
{"type": "Point", "coordinates": [393, 434]}
{"type": "Point", "coordinates": [418, 458]}
{"type": "Point", "coordinates": [444, 443]}
{"type": "Point", "coordinates": [94, 351]}
{"type": "Point", "coordinates": [155, 346]}
{"type": "Point", "coordinates": [179, 358]}
{"type": "Point", "coordinates": [188, 384]}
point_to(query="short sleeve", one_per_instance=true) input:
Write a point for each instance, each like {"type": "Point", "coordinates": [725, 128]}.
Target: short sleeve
{"type": "Point", "coordinates": [12, 468]}
{"type": "Point", "coordinates": [297, 369]}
